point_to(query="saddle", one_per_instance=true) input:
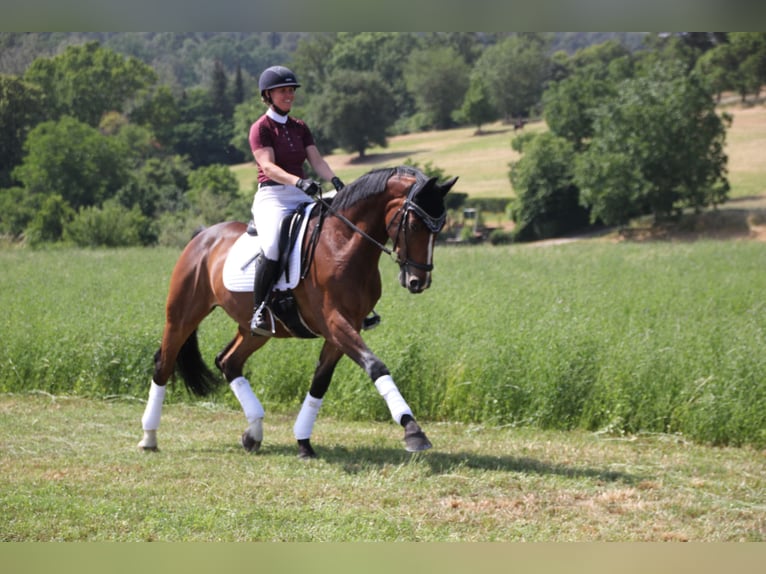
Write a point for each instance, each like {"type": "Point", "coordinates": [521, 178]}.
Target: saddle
{"type": "Point", "coordinates": [282, 302]}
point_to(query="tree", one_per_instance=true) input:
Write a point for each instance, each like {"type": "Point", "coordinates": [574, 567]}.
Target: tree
{"type": "Point", "coordinates": [356, 111]}
{"type": "Point", "coordinates": [202, 134]}
{"type": "Point", "coordinates": [547, 200]}
{"type": "Point", "coordinates": [381, 52]}
{"type": "Point", "coordinates": [437, 79]}
{"type": "Point", "coordinates": [657, 147]}
{"type": "Point", "coordinates": [21, 108]}
{"type": "Point", "coordinates": [477, 106]}
{"type": "Point", "coordinates": [73, 160]}
{"type": "Point", "coordinates": [214, 194]}
{"type": "Point", "coordinates": [48, 224]}
{"type": "Point", "coordinates": [515, 71]}
{"type": "Point", "coordinates": [750, 52]}
{"type": "Point", "coordinates": [219, 91]}
{"type": "Point", "coordinates": [87, 81]}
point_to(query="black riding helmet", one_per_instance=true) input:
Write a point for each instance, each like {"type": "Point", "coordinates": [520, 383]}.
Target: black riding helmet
{"type": "Point", "coordinates": [276, 77]}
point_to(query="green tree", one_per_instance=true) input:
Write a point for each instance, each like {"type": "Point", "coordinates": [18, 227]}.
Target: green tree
{"type": "Point", "coordinates": [158, 110]}
{"type": "Point", "coordinates": [214, 194]}
{"type": "Point", "coordinates": [437, 79]}
{"type": "Point", "coordinates": [47, 226]}
{"type": "Point", "coordinates": [21, 108]}
{"type": "Point", "coordinates": [515, 71]}
{"type": "Point", "coordinates": [220, 91]}
{"type": "Point", "coordinates": [657, 147]}
{"type": "Point", "coordinates": [158, 186]}
{"type": "Point", "coordinates": [89, 80]}
{"type": "Point", "coordinates": [477, 106]}
{"type": "Point", "coordinates": [356, 112]}
{"type": "Point", "coordinates": [17, 209]}
{"type": "Point", "coordinates": [381, 52]}
{"type": "Point", "coordinates": [750, 52]}
{"type": "Point", "coordinates": [73, 160]}
{"type": "Point", "coordinates": [202, 134]}
{"type": "Point", "coordinates": [547, 200]}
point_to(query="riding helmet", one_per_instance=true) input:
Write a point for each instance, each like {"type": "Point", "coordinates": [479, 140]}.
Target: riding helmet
{"type": "Point", "coordinates": [276, 77]}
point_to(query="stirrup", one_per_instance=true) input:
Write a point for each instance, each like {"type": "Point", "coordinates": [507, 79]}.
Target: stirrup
{"type": "Point", "coordinates": [262, 322]}
{"type": "Point", "coordinates": [371, 321]}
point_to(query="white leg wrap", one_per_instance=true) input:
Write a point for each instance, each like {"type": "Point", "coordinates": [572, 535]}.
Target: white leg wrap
{"type": "Point", "coordinates": [246, 397]}
{"type": "Point", "coordinates": [304, 424]}
{"type": "Point", "coordinates": [396, 403]}
{"type": "Point", "coordinates": [151, 419]}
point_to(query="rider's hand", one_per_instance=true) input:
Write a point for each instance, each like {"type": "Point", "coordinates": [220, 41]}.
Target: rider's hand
{"type": "Point", "coordinates": [337, 183]}
{"type": "Point", "coordinates": [308, 186]}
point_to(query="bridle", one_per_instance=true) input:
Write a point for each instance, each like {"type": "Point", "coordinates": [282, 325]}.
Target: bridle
{"type": "Point", "coordinates": [434, 225]}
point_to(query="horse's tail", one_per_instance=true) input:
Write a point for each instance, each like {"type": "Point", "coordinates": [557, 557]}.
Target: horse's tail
{"type": "Point", "coordinates": [198, 378]}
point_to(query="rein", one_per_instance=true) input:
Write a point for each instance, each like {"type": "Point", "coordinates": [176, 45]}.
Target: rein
{"type": "Point", "coordinates": [434, 224]}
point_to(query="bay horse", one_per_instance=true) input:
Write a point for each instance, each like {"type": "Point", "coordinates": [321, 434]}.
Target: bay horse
{"type": "Point", "coordinates": [340, 284]}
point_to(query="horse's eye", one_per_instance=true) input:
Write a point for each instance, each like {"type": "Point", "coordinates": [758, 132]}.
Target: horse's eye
{"type": "Point", "coordinates": [415, 225]}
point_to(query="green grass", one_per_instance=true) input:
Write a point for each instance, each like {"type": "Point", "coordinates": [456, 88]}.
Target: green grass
{"type": "Point", "coordinates": [69, 471]}
{"type": "Point", "coordinates": [614, 338]}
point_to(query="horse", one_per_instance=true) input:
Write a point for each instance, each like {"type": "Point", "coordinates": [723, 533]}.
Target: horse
{"type": "Point", "coordinates": [338, 287]}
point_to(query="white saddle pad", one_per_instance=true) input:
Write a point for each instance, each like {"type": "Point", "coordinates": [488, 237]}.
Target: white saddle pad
{"type": "Point", "coordinates": [239, 267]}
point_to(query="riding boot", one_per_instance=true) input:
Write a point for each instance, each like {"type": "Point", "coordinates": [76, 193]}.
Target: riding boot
{"type": "Point", "coordinates": [262, 322]}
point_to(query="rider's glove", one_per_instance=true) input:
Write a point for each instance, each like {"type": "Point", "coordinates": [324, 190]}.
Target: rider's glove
{"type": "Point", "coordinates": [337, 183]}
{"type": "Point", "coordinates": [308, 186]}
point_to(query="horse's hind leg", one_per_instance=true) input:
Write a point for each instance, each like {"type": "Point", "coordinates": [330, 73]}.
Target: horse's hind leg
{"type": "Point", "coordinates": [164, 360]}
{"type": "Point", "coordinates": [304, 423]}
{"type": "Point", "coordinates": [231, 361]}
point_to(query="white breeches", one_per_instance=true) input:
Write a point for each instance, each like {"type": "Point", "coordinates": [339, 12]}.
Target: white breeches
{"type": "Point", "coordinates": [270, 206]}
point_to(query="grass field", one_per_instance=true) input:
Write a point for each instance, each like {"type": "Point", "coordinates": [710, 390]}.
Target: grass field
{"type": "Point", "coordinates": [620, 338]}
{"type": "Point", "coordinates": [572, 391]}
{"type": "Point", "coordinates": [69, 471]}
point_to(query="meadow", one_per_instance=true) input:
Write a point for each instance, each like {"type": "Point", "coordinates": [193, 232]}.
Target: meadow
{"type": "Point", "coordinates": [616, 338]}
{"type": "Point", "coordinates": [594, 390]}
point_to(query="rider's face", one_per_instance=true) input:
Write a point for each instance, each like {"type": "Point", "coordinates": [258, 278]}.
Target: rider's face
{"type": "Point", "coordinates": [283, 97]}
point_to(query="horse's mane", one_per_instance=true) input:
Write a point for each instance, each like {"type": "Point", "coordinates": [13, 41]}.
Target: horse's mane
{"type": "Point", "coordinates": [370, 184]}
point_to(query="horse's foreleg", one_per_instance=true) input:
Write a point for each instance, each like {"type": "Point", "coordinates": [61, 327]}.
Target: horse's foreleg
{"type": "Point", "coordinates": [352, 344]}
{"type": "Point", "coordinates": [304, 423]}
{"type": "Point", "coordinates": [150, 421]}
{"type": "Point", "coordinates": [415, 439]}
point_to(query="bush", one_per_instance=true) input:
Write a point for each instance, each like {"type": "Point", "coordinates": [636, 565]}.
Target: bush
{"type": "Point", "coordinates": [112, 225]}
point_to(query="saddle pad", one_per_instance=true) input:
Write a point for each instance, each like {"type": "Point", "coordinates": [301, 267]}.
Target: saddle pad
{"type": "Point", "coordinates": [239, 267]}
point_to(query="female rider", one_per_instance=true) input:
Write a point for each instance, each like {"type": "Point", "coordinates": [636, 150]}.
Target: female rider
{"type": "Point", "coordinates": [280, 145]}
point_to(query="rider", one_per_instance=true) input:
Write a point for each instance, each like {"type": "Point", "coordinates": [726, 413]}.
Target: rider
{"type": "Point", "coordinates": [280, 146]}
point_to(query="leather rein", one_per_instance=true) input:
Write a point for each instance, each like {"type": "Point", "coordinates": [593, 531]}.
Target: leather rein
{"type": "Point", "coordinates": [434, 225]}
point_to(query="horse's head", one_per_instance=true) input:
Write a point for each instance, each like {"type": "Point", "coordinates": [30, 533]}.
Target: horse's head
{"type": "Point", "coordinates": [413, 229]}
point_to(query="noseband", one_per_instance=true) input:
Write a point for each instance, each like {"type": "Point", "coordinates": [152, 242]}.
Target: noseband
{"type": "Point", "coordinates": [434, 225]}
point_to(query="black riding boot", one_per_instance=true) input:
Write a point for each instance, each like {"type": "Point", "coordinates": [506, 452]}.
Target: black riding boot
{"type": "Point", "coordinates": [265, 276]}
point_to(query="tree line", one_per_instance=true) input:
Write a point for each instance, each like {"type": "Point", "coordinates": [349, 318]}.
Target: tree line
{"type": "Point", "coordinates": [101, 147]}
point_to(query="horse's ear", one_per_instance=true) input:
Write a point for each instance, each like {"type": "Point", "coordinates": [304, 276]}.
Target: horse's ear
{"type": "Point", "coordinates": [447, 185]}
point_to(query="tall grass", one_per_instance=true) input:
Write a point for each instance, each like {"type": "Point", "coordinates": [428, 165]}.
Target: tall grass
{"type": "Point", "coordinates": [617, 338]}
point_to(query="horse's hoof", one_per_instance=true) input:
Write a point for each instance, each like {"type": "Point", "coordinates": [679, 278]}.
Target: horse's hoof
{"type": "Point", "coordinates": [305, 450]}
{"type": "Point", "coordinates": [415, 440]}
{"type": "Point", "coordinates": [149, 442]}
{"type": "Point", "coordinates": [252, 438]}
